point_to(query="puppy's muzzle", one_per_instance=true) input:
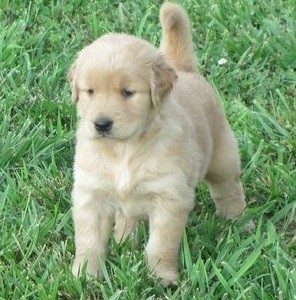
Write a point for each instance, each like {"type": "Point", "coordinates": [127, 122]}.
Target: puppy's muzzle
{"type": "Point", "coordinates": [103, 125]}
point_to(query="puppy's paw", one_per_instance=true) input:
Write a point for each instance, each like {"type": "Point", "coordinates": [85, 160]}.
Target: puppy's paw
{"type": "Point", "coordinates": [168, 277]}
{"type": "Point", "coordinates": [230, 209]}
{"type": "Point", "coordinates": [169, 282]}
{"type": "Point", "coordinates": [92, 268]}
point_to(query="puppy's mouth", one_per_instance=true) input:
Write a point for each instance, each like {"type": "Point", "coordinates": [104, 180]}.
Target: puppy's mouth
{"type": "Point", "coordinates": [105, 135]}
{"type": "Point", "coordinates": [106, 130]}
{"type": "Point", "coordinates": [114, 136]}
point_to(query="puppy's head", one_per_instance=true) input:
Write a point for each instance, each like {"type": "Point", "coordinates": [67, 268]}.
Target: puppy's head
{"type": "Point", "coordinates": [118, 83]}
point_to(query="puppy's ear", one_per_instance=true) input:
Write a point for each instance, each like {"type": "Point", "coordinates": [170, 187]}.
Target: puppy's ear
{"type": "Point", "coordinates": [163, 77]}
{"type": "Point", "coordinates": [73, 84]}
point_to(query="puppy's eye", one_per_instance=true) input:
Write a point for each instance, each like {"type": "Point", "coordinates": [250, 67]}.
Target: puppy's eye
{"type": "Point", "coordinates": [90, 91]}
{"type": "Point", "coordinates": [127, 93]}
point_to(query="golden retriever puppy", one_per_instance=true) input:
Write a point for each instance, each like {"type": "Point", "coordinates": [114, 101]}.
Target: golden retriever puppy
{"type": "Point", "coordinates": [150, 128]}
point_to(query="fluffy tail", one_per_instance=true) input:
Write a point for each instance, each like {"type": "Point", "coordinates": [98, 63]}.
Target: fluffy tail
{"type": "Point", "coordinates": [176, 43]}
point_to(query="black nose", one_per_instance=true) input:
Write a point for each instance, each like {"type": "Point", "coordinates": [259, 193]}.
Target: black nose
{"type": "Point", "coordinates": [103, 124]}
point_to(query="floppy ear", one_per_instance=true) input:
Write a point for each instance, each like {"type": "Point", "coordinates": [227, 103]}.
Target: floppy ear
{"type": "Point", "coordinates": [163, 77]}
{"type": "Point", "coordinates": [73, 84]}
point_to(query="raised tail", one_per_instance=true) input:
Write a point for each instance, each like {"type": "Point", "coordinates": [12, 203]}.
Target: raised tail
{"type": "Point", "coordinates": [176, 43]}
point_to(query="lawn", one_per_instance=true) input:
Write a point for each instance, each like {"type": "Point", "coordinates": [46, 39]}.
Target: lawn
{"type": "Point", "coordinates": [257, 86]}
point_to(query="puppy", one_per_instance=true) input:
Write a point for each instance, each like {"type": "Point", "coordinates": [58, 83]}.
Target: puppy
{"type": "Point", "coordinates": [150, 128]}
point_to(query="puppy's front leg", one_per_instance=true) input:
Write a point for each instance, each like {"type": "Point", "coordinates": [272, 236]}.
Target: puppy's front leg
{"type": "Point", "coordinates": [92, 223]}
{"type": "Point", "coordinates": [166, 224]}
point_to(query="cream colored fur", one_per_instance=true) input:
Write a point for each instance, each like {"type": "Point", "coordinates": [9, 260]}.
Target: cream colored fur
{"type": "Point", "coordinates": [168, 136]}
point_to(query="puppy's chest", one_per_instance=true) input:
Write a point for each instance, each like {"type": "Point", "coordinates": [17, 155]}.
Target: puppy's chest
{"type": "Point", "coordinates": [124, 177]}
{"type": "Point", "coordinates": [128, 181]}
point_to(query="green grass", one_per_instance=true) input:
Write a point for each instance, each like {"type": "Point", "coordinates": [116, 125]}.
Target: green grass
{"type": "Point", "coordinates": [257, 85]}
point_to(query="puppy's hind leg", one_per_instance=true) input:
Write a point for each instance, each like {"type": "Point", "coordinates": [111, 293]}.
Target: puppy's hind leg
{"type": "Point", "coordinates": [223, 178]}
